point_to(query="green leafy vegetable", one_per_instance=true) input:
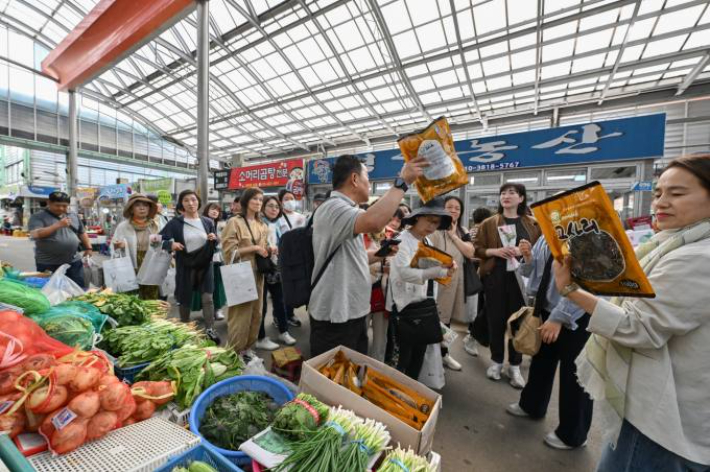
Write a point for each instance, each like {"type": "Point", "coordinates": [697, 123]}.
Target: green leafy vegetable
{"type": "Point", "coordinates": [232, 419]}
{"type": "Point", "coordinates": [399, 460]}
{"type": "Point", "coordinates": [125, 309]}
{"type": "Point", "coordinates": [16, 293]}
{"type": "Point", "coordinates": [300, 417]}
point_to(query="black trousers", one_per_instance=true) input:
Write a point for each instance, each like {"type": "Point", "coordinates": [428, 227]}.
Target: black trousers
{"type": "Point", "coordinates": [503, 298]}
{"type": "Point", "coordinates": [411, 358]}
{"type": "Point", "coordinates": [278, 309]}
{"type": "Point", "coordinates": [326, 335]}
{"type": "Point", "coordinates": [574, 404]}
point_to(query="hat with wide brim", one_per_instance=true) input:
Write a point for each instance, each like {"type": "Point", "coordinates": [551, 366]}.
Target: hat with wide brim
{"type": "Point", "coordinates": [139, 197]}
{"type": "Point", "coordinates": [433, 207]}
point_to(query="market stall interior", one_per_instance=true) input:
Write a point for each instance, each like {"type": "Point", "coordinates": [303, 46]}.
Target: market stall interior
{"type": "Point", "coordinates": [557, 117]}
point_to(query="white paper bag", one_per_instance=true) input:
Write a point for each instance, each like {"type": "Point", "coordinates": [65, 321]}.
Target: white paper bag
{"type": "Point", "coordinates": [432, 373]}
{"type": "Point", "coordinates": [168, 286]}
{"type": "Point", "coordinates": [119, 274]}
{"type": "Point", "coordinates": [155, 267]}
{"type": "Point", "coordinates": [239, 283]}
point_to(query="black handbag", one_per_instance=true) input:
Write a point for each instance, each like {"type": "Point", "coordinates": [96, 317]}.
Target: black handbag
{"type": "Point", "coordinates": [418, 323]}
{"type": "Point", "coordinates": [264, 265]}
{"type": "Point", "coordinates": [472, 283]}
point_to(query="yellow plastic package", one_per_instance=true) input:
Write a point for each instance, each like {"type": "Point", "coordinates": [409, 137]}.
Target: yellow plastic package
{"type": "Point", "coordinates": [445, 172]}
{"type": "Point", "coordinates": [582, 222]}
{"type": "Point", "coordinates": [429, 256]}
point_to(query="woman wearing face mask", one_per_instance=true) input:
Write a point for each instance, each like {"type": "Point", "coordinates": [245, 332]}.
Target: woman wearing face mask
{"type": "Point", "coordinates": [246, 236]}
{"type": "Point", "coordinates": [193, 240]}
{"type": "Point", "coordinates": [213, 212]}
{"type": "Point", "coordinates": [136, 234]}
{"type": "Point", "coordinates": [271, 211]}
{"type": "Point", "coordinates": [646, 364]}
{"type": "Point", "coordinates": [290, 218]}
{"type": "Point", "coordinates": [408, 285]}
{"type": "Point", "coordinates": [451, 299]}
{"type": "Point", "coordinates": [504, 294]}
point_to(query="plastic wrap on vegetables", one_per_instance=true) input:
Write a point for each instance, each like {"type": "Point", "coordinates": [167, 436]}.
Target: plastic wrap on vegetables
{"type": "Point", "coordinates": [445, 172]}
{"type": "Point", "coordinates": [582, 223]}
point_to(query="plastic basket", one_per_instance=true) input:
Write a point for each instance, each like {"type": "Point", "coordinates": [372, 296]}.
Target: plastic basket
{"type": "Point", "coordinates": [11, 457]}
{"type": "Point", "coordinates": [126, 373]}
{"type": "Point", "coordinates": [140, 447]}
{"type": "Point", "coordinates": [253, 383]}
{"type": "Point", "coordinates": [200, 453]}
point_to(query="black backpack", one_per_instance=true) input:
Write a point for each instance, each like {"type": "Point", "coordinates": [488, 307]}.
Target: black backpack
{"type": "Point", "coordinates": [296, 264]}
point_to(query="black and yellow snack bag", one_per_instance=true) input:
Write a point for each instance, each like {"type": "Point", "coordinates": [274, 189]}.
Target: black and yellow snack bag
{"type": "Point", "coordinates": [583, 223]}
{"type": "Point", "coordinates": [429, 256]}
{"type": "Point", "coordinates": [445, 172]}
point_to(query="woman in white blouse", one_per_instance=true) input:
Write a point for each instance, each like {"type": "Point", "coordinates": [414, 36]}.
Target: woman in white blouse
{"type": "Point", "coordinates": [647, 361]}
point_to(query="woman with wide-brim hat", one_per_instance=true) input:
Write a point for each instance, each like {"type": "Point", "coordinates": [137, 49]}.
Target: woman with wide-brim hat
{"type": "Point", "coordinates": [135, 235]}
{"type": "Point", "coordinates": [409, 285]}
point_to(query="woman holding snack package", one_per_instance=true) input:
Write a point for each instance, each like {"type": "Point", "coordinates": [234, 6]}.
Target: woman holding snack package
{"type": "Point", "coordinates": [496, 245]}
{"type": "Point", "coordinates": [408, 286]}
{"type": "Point", "coordinates": [451, 299]}
{"type": "Point", "coordinates": [646, 363]}
{"type": "Point", "coordinates": [136, 234]}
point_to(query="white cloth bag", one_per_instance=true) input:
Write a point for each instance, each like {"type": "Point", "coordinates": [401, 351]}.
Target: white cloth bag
{"type": "Point", "coordinates": [239, 282]}
{"type": "Point", "coordinates": [119, 274]}
{"type": "Point", "coordinates": [154, 269]}
{"type": "Point", "coordinates": [168, 286]}
{"type": "Point", "coordinates": [432, 373]}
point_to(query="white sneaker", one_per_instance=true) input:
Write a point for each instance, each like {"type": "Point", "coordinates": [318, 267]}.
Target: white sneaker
{"type": "Point", "coordinates": [266, 344]}
{"type": "Point", "coordinates": [494, 371]}
{"type": "Point", "coordinates": [451, 363]}
{"type": "Point", "coordinates": [516, 378]}
{"type": "Point", "coordinates": [470, 345]}
{"type": "Point", "coordinates": [515, 410]}
{"type": "Point", "coordinates": [248, 354]}
{"type": "Point", "coordinates": [556, 443]}
{"type": "Point", "coordinates": [287, 339]}
{"type": "Point", "coordinates": [219, 315]}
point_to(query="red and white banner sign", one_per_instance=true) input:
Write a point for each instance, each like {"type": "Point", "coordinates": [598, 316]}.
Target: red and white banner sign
{"type": "Point", "coordinates": [273, 174]}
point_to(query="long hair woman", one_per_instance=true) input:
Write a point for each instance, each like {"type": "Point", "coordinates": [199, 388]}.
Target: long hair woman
{"type": "Point", "coordinates": [193, 240]}
{"type": "Point", "coordinates": [504, 294]}
{"type": "Point", "coordinates": [246, 236]}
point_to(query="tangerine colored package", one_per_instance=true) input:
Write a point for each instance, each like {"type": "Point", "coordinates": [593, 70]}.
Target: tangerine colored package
{"type": "Point", "coordinates": [583, 223]}
{"type": "Point", "coordinates": [435, 143]}
{"type": "Point", "coordinates": [429, 256]}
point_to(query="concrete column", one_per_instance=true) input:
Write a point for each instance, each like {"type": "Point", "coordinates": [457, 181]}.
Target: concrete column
{"type": "Point", "coordinates": [203, 87]}
{"type": "Point", "coordinates": [72, 156]}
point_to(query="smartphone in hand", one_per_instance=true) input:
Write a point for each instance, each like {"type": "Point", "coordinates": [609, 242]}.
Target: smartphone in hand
{"type": "Point", "coordinates": [386, 248]}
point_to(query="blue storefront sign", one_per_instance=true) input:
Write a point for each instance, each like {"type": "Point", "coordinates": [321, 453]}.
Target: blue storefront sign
{"type": "Point", "coordinates": [114, 192]}
{"type": "Point", "coordinates": [643, 186]}
{"type": "Point", "coordinates": [614, 140]}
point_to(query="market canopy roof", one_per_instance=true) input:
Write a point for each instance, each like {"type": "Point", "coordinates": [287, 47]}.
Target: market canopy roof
{"type": "Point", "coordinates": [298, 74]}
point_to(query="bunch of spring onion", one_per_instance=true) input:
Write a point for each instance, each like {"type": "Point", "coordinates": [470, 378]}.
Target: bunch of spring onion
{"type": "Point", "coordinates": [399, 460]}
{"type": "Point", "coordinates": [322, 451]}
{"type": "Point", "coordinates": [367, 439]}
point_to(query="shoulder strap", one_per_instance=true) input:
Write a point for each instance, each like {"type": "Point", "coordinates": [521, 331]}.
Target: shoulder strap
{"type": "Point", "coordinates": [288, 222]}
{"type": "Point", "coordinates": [430, 288]}
{"type": "Point", "coordinates": [541, 295]}
{"type": "Point", "coordinates": [325, 266]}
{"type": "Point", "coordinates": [249, 228]}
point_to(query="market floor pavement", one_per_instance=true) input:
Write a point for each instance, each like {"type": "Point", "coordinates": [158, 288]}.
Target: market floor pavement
{"type": "Point", "coordinates": [474, 433]}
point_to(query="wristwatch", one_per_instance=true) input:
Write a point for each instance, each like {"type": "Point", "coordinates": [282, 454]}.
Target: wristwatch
{"type": "Point", "coordinates": [567, 289]}
{"type": "Point", "coordinates": [401, 184]}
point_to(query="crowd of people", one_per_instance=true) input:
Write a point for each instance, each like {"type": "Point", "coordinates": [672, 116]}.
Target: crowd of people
{"type": "Point", "coordinates": [639, 359]}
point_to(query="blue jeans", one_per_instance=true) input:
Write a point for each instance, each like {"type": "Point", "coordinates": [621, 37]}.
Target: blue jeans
{"type": "Point", "coordinates": [74, 272]}
{"type": "Point", "coordinates": [636, 453]}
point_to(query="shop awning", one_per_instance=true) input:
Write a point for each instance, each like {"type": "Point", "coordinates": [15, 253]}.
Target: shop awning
{"type": "Point", "coordinates": [111, 31]}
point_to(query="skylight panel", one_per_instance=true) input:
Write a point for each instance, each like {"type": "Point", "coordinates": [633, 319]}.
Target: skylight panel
{"type": "Point", "coordinates": [698, 39]}
{"type": "Point", "coordinates": [309, 75]}
{"type": "Point", "coordinates": [443, 79]}
{"type": "Point", "coordinates": [465, 20]}
{"type": "Point", "coordinates": [406, 45]}
{"type": "Point", "coordinates": [554, 32]}
{"type": "Point", "coordinates": [631, 54]}
{"type": "Point", "coordinates": [665, 46]}
{"type": "Point", "coordinates": [338, 15]}
{"type": "Point", "coordinates": [675, 21]}
{"type": "Point", "coordinates": [590, 42]}
{"type": "Point", "coordinates": [523, 59]}
{"type": "Point", "coordinates": [648, 6]}
{"type": "Point", "coordinates": [521, 11]}
{"type": "Point", "coordinates": [489, 16]}
{"type": "Point", "coordinates": [605, 18]}
{"type": "Point", "coordinates": [587, 63]}
{"type": "Point", "coordinates": [396, 16]}
{"type": "Point", "coordinates": [311, 50]}
{"type": "Point", "coordinates": [522, 41]}
{"type": "Point", "coordinates": [430, 36]}
{"type": "Point", "coordinates": [555, 51]}
{"type": "Point", "coordinates": [496, 66]}
{"type": "Point", "coordinates": [520, 78]}
{"type": "Point", "coordinates": [499, 83]}
{"type": "Point", "coordinates": [641, 29]}
{"type": "Point", "coordinates": [555, 70]}
{"type": "Point", "coordinates": [348, 35]}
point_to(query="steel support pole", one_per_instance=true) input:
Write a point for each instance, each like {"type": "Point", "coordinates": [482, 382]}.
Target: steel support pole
{"type": "Point", "coordinates": [72, 156]}
{"type": "Point", "coordinates": [203, 96]}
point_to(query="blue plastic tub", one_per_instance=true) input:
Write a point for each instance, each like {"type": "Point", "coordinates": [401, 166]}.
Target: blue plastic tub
{"type": "Point", "coordinates": [126, 373]}
{"type": "Point", "coordinates": [252, 383]}
{"type": "Point", "coordinates": [199, 453]}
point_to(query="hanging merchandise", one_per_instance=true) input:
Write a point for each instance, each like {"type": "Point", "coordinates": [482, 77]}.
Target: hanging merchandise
{"type": "Point", "coordinates": [582, 223]}
{"type": "Point", "coordinates": [445, 171]}
{"type": "Point", "coordinates": [76, 324]}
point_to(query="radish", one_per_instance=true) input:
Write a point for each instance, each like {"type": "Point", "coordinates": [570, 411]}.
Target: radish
{"type": "Point", "coordinates": [100, 424]}
{"type": "Point", "coordinates": [85, 378]}
{"type": "Point", "coordinates": [65, 373]}
{"type": "Point", "coordinates": [113, 396]}
{"type": "Point", "coordinates": [86, 404]}
{"type": "Point", "coordinates": [144, 410]}
{"type": "Point", "coordinates": [47, 398]}
{"type": "Point", "coordinates": [69, 437]}
{"type": "Point", "coordinates": [127, 409]}
{"type": "Point", "coordinates": [108, 379]}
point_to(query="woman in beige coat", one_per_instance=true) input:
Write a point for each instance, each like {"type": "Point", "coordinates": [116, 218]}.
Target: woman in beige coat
{"type": "Point", "coordinates": [455, 241]}
{"type": "Point", "coordinates": [248, 235]}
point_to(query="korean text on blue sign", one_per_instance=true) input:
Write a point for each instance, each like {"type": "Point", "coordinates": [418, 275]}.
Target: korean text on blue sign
{"type": "Point", "coordinates": [629, 138]}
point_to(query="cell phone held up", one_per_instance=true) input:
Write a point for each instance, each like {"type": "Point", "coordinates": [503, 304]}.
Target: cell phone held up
{"type": "Point", "coordinates": [386, 247]}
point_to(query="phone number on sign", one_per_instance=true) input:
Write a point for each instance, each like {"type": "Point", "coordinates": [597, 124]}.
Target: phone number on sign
{"type": "Point", "coordinates": [498, 166]}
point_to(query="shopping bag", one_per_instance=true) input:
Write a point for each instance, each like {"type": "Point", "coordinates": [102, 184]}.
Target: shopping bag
{"type": "Point", "coordinates": [93, 275]}
{"type": "Point", "coordinates": [119, 274]}
{"type": "Point", "coordinates": [60, 287]}
{"type": "Point", "coordinates": [432, 373]}
{"type": "Point", "coordinates": [523, 330]}
{"type": "Point", "coordinates": [449, 336]}
{"type": "Point", "coordinates": [155, 267]}
{"type": "Point", "coordinates": [239, 282]}
{"type": "Point", "coordinates": [168, 286]}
